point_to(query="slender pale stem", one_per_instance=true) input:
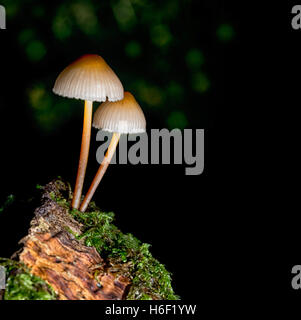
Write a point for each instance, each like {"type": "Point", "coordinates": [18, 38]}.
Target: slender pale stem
{"type": "Point", "coordinates": [84, 153]}
{"type": "Point", "coordinates": [101, 171]}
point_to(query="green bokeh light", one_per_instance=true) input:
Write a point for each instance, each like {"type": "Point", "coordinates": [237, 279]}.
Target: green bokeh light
{"type": "Point", "coordinates": [177, 119]}
{"type": "Point", "coordinates": [200, 82]}
{"type": "Point", "coordinates": [62, 24]}
{"type": "Point", "coordinates": [152, 95]}
{"type": "Point", "coordinates": [171, 9]}
{"type": "Point", "coordinates": [85, 17]}
{"type": "Point", "coordinates": [38, 98]}
{"type": "Point", "coordinates": [11, 8]}
{"type": "Point", "coordinates": [160, 35]}
{"type": "Point", "coordinates": [49, 112]}
{"type": "Point", "coordinates": [133, 49]}
{"type": "Point", "coordinates": [194, 59]}
{"type": "Point", "coordinates": [124, 14]}
{"type": "Point", "coordinates": [35, 50]}
{"type": "Point", "coordinates": [225, 32]}
{"type": "Point", "coordinates": [25, 36]}
{"type": "Point", "coordinates": [149, 94]}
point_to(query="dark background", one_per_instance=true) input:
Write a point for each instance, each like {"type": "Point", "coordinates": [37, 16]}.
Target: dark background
{"type": "Point", "coordinates": [176, 57]}
{"type": "Point", "coordinates": [287, 226]}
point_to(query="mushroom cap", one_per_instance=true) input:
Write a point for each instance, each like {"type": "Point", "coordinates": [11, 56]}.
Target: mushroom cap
{"type": "Point", "coordinates": [124, 116]}
{"type": "Point", "coordinates": [89, 78]}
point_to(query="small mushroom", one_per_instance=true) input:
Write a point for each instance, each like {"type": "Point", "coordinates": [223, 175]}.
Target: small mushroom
{"type": "Point", "coordinates": [89, 78]}
{"type": "Point", "coordinates": [121, 117]}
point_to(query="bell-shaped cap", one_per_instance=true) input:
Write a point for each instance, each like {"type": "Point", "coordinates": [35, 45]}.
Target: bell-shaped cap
{"type": "Point", "coordinates": [89, 78]}
{"type": "Point", "coordinates": [124, 116]}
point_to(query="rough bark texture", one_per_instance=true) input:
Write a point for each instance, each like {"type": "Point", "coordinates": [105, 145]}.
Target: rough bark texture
{"type": "Point", "coordinates": [75, 271]}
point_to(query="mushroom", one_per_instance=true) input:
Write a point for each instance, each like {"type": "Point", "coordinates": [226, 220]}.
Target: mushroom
{"type": "Point", "coordinates": [121, 117]}
{"type": "Point", "coordinates": [89, 78]}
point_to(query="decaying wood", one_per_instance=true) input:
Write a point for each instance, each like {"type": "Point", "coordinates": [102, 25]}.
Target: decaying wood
{"type": "Point", "coordinates": [75, 271]}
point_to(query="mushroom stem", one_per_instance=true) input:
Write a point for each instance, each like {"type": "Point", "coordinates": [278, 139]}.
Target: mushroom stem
{"type": "Point", "coordinates": [84, 153]}
{"type": "Point", "coordinates": [101, 171]}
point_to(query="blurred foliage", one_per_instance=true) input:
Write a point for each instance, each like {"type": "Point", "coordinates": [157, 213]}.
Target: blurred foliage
{"type": "Point", "coordinates": [163, 52]}
{"type": "Point", "coordinates": [225, 32]}
{"type": "Point", "coordinates": [194, 59]}
{"type": "Point", "coordinates": [48, 111]}
{"type": "Point", "coordinates": [177, 119]}
{"type": "Point", "coordinates": [200, 82]}
{"type": "Point", "coordinates": [133, 49]}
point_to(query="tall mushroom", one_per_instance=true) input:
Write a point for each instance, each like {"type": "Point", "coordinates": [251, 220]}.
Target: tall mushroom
{"type": "Point", "coordinates": [89, 78]}
{"type": "Point", "coordinates": [121, 117]}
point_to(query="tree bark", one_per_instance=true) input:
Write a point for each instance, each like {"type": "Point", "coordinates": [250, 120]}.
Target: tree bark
{"type": "Point", "coordinates": [52, 252]}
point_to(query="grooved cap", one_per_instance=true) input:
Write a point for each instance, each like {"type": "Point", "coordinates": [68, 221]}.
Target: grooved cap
{"type": "Point", "coordinates": [124, 116]}
{"type": "Point", "coordinates": [89, 78]}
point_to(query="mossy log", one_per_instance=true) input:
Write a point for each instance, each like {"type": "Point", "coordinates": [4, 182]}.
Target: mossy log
{"type": "Point", "coordinates": [70, 255]}
{"type": "Point", "coordinates": [52, 253]}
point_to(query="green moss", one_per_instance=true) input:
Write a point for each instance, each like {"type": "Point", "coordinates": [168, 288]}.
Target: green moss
{"type": "Point", "coordinates": [57, 197]}
{"type": "Point", "coordinates": [21, 285]}
{"type": "Point", "coordinates": [150, 278]}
